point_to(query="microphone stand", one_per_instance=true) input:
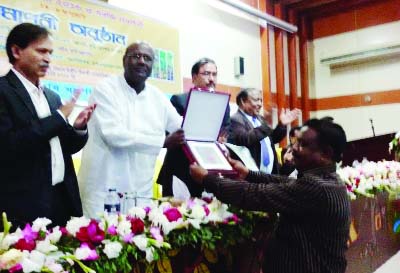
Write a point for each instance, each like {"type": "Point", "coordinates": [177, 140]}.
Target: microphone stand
{"type": "Point", "coordinates": [372, 126]}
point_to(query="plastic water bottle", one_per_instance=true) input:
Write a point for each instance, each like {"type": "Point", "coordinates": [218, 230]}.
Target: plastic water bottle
{"type": "Point", "coordinates": [112, 204]}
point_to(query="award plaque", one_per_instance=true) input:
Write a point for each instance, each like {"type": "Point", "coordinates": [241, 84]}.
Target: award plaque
{"type": "Point", "coordinates": [202, 124]}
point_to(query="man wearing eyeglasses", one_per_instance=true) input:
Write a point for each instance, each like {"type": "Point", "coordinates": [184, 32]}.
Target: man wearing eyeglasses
{"type": "Point", "coordinates": [204, 77]}
{"type": "Point", "coordinates": [127, 132]}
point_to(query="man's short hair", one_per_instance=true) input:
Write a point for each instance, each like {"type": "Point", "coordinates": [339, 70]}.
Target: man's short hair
{"type": "Point", "coordinates": [22, 35]}
{"type": "Point", "coordinates": [200, 63]}
{"type": "Point", "coordinates": [243, 95]}
{"type": "Point", "coordinates": [138, 43]}
{"type": "Point", "coordinates": [330, 135]}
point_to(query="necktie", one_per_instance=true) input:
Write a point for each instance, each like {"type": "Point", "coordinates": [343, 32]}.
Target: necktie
{"type": "Point", "coordinates": [264, 148]}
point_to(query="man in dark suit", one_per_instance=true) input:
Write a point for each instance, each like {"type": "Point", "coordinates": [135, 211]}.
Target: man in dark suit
{"type": "Point", "coordinates": [37, 176]}
{"type": "Point", "coordinates": [204, 77]}
{"type": "Point", "coordinates": [250, 129]}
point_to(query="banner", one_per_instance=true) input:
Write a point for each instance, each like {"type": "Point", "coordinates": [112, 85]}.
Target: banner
{"type": "Point", "coordinates": [89, 42]}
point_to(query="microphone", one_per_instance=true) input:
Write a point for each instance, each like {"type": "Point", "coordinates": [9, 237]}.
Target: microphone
{"type": "Point", "coordinates": [372, 126]}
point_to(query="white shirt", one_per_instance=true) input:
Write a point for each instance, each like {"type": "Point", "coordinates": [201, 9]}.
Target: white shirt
{"type": "Point", "coordinates": [267, 140]}
{"type": "Point", "coordinates": [127, 131]}
{"type": "Point", "coordinates": [43, 110]}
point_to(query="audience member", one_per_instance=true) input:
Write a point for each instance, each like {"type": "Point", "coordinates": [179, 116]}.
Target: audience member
{"type": "Point", "coordinates": [249, 129]}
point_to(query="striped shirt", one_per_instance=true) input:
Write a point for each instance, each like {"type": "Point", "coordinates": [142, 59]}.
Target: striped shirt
{"type": "Point", "coordinates": [311, 233]}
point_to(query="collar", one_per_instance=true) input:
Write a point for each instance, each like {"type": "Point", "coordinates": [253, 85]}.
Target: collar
{"type": "Point", "coordinates": [250, 118]}
{"type": "Point", "coordinates": [331, 168]}
{"type": "Point", "coordinates": [130, 88]}
{"type": "Point", "coordinates": [29, 86]}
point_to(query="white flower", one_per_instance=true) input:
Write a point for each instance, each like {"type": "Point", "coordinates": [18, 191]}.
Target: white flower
{"type": "Point", "coordinates": [40, 224]}
{"type": "Point", "coordinates": [137, 212]}
{"type": "Point", "coordinates": [198, 212]}
{"type": "Point", "coordinates": [124, 228]}
{"type": "Point", "coordinates": [141, 242]}
{"type": "Point", "coordinates": [10, 239]}
{"type": "Point", "coordinates": [110, 219]}
{"type": "Point", "coordinates": [83, 252]}
{"type": "Point", "coordinates": [33, 262]}
{"type": "Point", "coordinates": [10, 258]}
{"type": "Point", "coordinates": [55, 236]}
{"type": "Point", "coordinates": [55, 267]}
{"type": "Point", "coordinates": [195, 223]}
{"type": "Point", "coordinates": [112, 249]}
{"type": "Point", "coordinates": [45, 246]}
{"type": "Point", "coordinates": [76, 223]}
{"type": "Point", "coordinates": [149, 254]}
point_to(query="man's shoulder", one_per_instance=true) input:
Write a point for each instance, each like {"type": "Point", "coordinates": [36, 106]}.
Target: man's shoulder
{"type": "Point", "coordinates": [182, 96]}
{"type": "Point", "coordinates": [113, 79]}
{"type": "Point", "coordinates": [239, 117]}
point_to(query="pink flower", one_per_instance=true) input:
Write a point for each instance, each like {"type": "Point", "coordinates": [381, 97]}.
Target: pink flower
{"type": "Point", "coordinates": [27, 242]}
{"type": "Point", "coordinates": [207, 199]}
{"type": "Point", "coordinates": [206, 210]}
{"type": "Point", "coordinates": [172, 214]}
{"type": "Point", "coordinates": [29, 234]}
{"type": "Point", "coordinates": [64, 231]}
{"type": "Point", "coordinates": [137, 226]}
{"type": "Point", "coordinates": [91, 234]}
{"type": "Point", "coordinates": [147, 210]}
{"type": "Point", "coordinates": [15, 268]}
{"type": "Point", "coordinates": [112, 230]}
{"type": "Point", "coordinates": [128, 238]}
{"type": "Point", "coordinates": [85, 253]}
{"type": "Point", "coordinates": [156, 234]}
{"type": "Point", "coordinates": [24, 244]}
{"type": "Point", "coordinates": [190, 203]}
{"type": "Point", "coordinates": [234, 218]}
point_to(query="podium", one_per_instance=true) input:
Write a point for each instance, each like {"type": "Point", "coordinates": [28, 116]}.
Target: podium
{"type": "Point", "coordinates": [373, 148]}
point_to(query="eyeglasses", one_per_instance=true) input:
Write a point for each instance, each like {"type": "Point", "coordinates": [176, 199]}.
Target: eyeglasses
{"type": "Point", "coordinates": [137, 56]}
{"type": "Point", "coordinates": [208, 73]}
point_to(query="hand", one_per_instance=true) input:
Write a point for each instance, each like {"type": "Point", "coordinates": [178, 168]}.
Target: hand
{"type": "Point", "coordinates": [175, 139]}
{"type": "Point", "coordinates": [239, 167]}
{"type": "Point", "coordinates": [288, 156]}
{"type": "Point", "coordinates": [84, 117]}
{"type": "Point", "coordinates": [223, 136]}
{"type": "Point", "coordinates": [67, 108]}
{"type": "Point", "coordinates": [286, 117]}
{"type": "Point", "coordinates": [198, 173]}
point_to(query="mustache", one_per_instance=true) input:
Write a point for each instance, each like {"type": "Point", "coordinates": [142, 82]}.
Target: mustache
{"type": "Point", "coordinates": [44, 65]}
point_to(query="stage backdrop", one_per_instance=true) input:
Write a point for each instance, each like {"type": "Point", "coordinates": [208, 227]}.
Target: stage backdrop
{"type": "Point", "coordinates": [89, 41]}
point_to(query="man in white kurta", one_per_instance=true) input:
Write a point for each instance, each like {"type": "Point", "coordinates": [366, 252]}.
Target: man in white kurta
{"type": "Point", "coordinates": [127, 132]}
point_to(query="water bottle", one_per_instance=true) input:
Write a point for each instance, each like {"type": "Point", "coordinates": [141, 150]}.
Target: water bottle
{"type": "Point", "coordinates": [112, 204]}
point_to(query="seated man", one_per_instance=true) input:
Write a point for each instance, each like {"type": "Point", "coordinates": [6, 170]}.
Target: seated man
{"type": "Point", "coordinates": [313, 227]}
{"type": "Point", "coordinates": [249, 129]}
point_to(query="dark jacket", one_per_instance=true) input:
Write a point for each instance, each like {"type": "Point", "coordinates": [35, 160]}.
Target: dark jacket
{"type": "Point", "coordinates": [242, 133]}
{"type": "Point", "coordinates": [25, 156]}
{"type": "Point", "coordinates": [313, 227]}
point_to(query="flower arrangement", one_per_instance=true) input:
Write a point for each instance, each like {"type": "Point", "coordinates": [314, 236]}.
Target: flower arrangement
{"type": "Point", "coordinates": [394, 146]}
{"type": "Point", "coordinates": [368, 177]}
{"type": "Point", "coordinates": [143, 239]}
